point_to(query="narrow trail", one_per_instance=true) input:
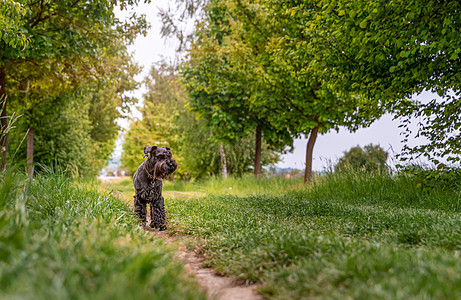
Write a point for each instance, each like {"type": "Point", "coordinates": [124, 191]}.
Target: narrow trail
{"type": "Point", "coordinates": [216, 286]}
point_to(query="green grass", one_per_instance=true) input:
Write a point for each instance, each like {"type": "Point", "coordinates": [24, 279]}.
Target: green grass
{"type": "Point", "coordinates": [124, 187]}
{"type": "Point", "coordinates": [240, 186]}
{"type": "Point", "coordinates": [59, 240]}
{"type": "Point", "coordinates": [347, 235]}
{"type": "Point", "coordinates": [245, 185]}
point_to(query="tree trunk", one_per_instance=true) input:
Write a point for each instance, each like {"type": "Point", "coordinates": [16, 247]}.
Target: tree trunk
{"type": "Point", "coordinates": [309, 151]}
{"type": "Point", "coordinates": [4, 120]}
{"type": "Point", "coordinates": [257, 171]}
{"type": "Point", "coordinates": [223, 161]}
{"type": "Point", "coordinates": [30, 152]}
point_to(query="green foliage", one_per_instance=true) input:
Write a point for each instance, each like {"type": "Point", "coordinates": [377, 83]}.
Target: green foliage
{"type": "Point", "coordinates": [73, 47]}
{"type": "Point", "coordinates": [392, 50]}
{"type": "Point", "coordinates": [64, 28]}
{"type": "Point", "coordinates": [71, 109]}
{"type": "Point", "coordinates": [370, 158]}
{"type": "Point", "coordinates": [252, 62]}
{"type": "Point", "coordinates": [222, 103]}
{"type": "Point", "coordinates": [167, 122]}
{"type": "Point", "coordinates": [431, 179]}
{"type": "Point", "coordinates": [62, 138]}
{"type": "Point", "coordinates": [347, 235]}
{"type": "Point", "coordinates": [440, 126]}
{"type": "Point", "coordinates": [163, 105]}
{"type": "Point", "coordinates": [134, 142]}
{"type": "Point", "coordinates": [80, 244]}
{"type": "Point", "coordinates": [75, 129]}
{"type": "Point", "coordinates": [400, 55]}
{"type": "Point", "coordinates": [220, 90]}
{"type": "Point", "coordinates": [339, 63]}
{"type": "Point", "coordinates": [11, 22]}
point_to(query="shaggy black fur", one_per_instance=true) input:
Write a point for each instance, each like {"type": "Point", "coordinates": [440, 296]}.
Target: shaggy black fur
{"type": "Point", "coordinates": [148, 182]}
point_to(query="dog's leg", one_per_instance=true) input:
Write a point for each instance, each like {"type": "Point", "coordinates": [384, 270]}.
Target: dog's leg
{"type": "Point", "coordinates": [140, 209]}
{"type": "Point", "coordinates": [158, 214]}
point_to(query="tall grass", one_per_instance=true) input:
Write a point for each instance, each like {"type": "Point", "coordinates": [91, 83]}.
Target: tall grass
{"type": "Point", "coordinates": [59, 240]}
{"type": "Point", "coordinates": [404, 189]}
{"type": "Point", "coordinates": [13, 216]}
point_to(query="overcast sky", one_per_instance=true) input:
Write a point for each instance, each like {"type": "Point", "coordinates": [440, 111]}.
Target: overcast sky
{"type": "Point", "coordinates": [328, 148]}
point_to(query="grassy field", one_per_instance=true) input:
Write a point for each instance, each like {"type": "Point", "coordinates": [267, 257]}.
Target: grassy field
{"type": "Point", "coordinates": [348, 235]}
{"type": "Point", "coordinates": [61, 240]}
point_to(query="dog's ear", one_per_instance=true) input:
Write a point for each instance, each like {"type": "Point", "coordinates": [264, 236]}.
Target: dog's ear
{"type": "Point", "coordinates": [147, 150]}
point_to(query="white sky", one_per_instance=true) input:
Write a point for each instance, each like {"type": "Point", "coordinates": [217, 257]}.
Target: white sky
{"type": "Point", "coordinates": [328, 148]}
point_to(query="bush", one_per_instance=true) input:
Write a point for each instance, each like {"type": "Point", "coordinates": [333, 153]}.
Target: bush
{"type": "Point", "coordinates": [444, 179]}
{"type": "Point", "coordinates": [370, 158]}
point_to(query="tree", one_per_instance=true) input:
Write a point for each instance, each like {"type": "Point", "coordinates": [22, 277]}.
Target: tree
{"type": "Point", "coordinates": [222, 105]}
{"type": "Point", "coordinates": [225, 110]}
{"type": "Point", "coordinates": [61, 30]}
{"type": "Point", "coordinates": [220, 94]}
{"type": "Point", "coordinates": [175, 20]}
{"type": "Point", "coordinates": [162, 105]}
{"type": "Point", "coordinates": [308, 82]}
{"type": "Point", "coordinates": [391, 50]}
{"type": "Point", "coordinates": [75, 128]}
{"type": "Point", "coordinates": [384, 51]}
{"type": "Point", "coordinates": [370, 158]}
{"type": "Point", "coordinates": [260, 48]}
{"type": "Point", "coordinates": [98, 94]}
{"type": "Point", "coordinates": [201, 156]}
{"type": "Point", "coordinates": [167, 122]}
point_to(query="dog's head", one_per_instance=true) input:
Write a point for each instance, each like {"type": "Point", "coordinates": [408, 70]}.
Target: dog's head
{"type": "Point", "coordinates": [161, 163]}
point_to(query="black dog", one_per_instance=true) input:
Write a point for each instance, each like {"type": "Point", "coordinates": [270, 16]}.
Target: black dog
{"type": "Point", "coordinates": [148, 184]}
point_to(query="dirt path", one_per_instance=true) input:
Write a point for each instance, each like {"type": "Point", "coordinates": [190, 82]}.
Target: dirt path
{"type": "Point", "coordinates": [216, 286]}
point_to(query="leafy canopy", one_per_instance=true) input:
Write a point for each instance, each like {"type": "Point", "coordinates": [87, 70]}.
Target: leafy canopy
{"type": "Point", "coordinates": [391, 50]}
{"type": "Point", "coordinates": [11, 21]}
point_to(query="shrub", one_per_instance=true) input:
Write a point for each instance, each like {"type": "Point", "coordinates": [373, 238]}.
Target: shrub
{"type": "Point", "coordinates": [370, 158]}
